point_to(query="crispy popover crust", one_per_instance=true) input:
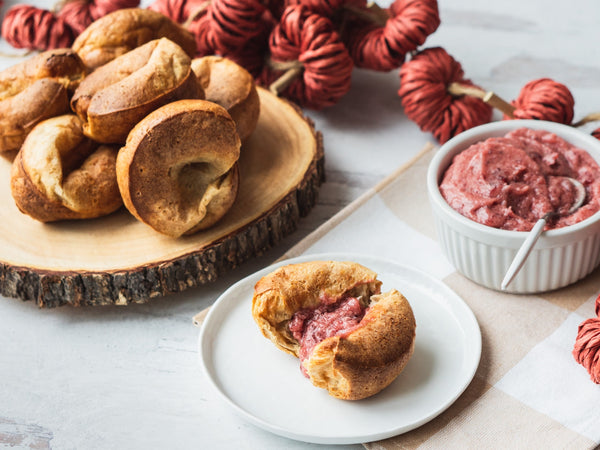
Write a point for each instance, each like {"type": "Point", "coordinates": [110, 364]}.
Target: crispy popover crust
{"type": "Point", "coordinates": [178, 171]}
{"type": "Point", "coordinates": [352, 366]}
{"type": "Point", "coordinates": [371, 357]}
{"type": "Point", "coordinates": [61, 174]}
{"type": "Point", "coordinates": [231, 86]}
{"type": "Point", "coordinates": [33, 90]}
{"type": "Point", "coordinates": [116, 96]}
{"type": "Point", "coordinates": [125, 29]}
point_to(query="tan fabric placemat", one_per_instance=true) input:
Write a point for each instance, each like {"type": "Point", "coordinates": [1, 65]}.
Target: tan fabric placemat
{"type": "Point", "coordinates": [528, 391]}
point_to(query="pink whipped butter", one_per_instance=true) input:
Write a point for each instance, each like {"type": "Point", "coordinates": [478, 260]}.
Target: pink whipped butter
{"type": "Point", "coordinates": [311, 326]}
{"type": "Point", "coordinates": [510, 182]}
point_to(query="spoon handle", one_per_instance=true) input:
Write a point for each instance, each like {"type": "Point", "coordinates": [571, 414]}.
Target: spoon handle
{"type": "Point", "coordinates": [523, 253]}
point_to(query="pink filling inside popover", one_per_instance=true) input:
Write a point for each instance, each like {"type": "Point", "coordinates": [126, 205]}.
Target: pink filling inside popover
{"type": "Point", "coordinates": [311, 326]}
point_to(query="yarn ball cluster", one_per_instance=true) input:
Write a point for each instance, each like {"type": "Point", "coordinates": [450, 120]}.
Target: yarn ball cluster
{"type": "Point", "coordinates": [305, 50]}
{"type": "Point", "coordinates": [425, 83]}
{"type": "Point", "coordinates": [33, 28]}
{"type": "Point", "coordinates": [318, 41]}
{"type": "Point", "coordinates": [586, 350]}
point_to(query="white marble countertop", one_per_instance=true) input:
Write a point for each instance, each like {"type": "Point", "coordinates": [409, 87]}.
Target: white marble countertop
{"type": "Point", "coordinates": [115, 377]}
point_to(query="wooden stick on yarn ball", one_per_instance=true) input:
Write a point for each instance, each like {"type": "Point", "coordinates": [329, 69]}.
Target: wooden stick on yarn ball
{"type": "Point", "coordinates": [540, 99]}
{"type": "Point", "coordinates": [312, 45]}
{"type": "Point", "coordinates": [424, 82]}
{"type": "Point", "coordinates": [372, 13]}
{"type": "Point", "coordinates": [487, 96]}
{"type": "Point", "coordinates": [593, 117]}
{"type": "Point", "coordinates": [292, 70]}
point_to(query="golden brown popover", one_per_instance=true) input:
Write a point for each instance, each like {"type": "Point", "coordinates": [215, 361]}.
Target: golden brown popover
{"type": "Point", "coordinates": [231, 86]}
{"type": "Point", "coordinates": [61, 174]}
{"type": "Point", "coordinates": [126, 29]}
{"type": "Point", "coordinates": [33, 90]}
{"type": "Point", "coordinates": [351, 340]}
{"type": "Point", "coordinates": [178, 172]}
{"type": "Point", "coordinates": [115, 97]}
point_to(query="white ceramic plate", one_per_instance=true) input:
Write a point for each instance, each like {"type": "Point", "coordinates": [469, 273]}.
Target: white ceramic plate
{"type": "Point", "coordinates": [266, 387]}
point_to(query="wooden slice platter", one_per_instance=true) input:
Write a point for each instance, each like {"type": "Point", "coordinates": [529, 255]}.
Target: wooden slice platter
{"type": "Point", "coordinates": [119, 260]}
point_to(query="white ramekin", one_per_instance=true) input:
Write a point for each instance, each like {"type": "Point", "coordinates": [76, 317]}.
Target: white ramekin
{"type": "Point", "coordinates": [481, 253]}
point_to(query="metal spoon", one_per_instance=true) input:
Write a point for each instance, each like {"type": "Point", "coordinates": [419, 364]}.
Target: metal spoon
{"type": "Point", "coordinates": [536, 231]}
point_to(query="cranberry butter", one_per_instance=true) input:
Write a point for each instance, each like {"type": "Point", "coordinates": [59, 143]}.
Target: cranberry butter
{"type": "Point", "coordinates": [510, 182]}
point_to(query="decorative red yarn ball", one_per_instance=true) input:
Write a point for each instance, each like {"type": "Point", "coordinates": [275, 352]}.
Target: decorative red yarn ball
{"type": "Point", "coordinates": [253, 54]}
{"type": "Point", "coordinates": [327, 8]}
{"type": "Point", "coordinates": [235, 22]}
{"type": "Point", "coordinates": [415, 20]}
{"type": "Point", "coordinates": [545, 99]}
{"type": "Point", "coordinates": [384, 48]}
{"type": "Point", "coordinates": [35, 29]}
{"type": "Point", "coordinates": [210, 38]}
{"type": "Point", "coordinates": [596, 133]}
{"type": "Point", "coordinates": [586, 350]}
{"type": "Point", "coordinates": [326, 65]}
{"type": "Point", "coordinates": [276, 7]}
{"type": "Point", "coordinates": [25, 26]}
{"type": "Point", "coordinates": [180, 10]}
{"type": "Point", "coordinates": [200, 27]}
{"type": "Point", "coordinates": [173, 9]}
{"type": "Point", "coordinates": [79, 14]}
{"type": "Point", "coordinates": [424, 82]}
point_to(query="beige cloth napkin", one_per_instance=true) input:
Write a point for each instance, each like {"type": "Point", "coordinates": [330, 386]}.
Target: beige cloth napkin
{"type": "Point", "coordinates": [528, 391]}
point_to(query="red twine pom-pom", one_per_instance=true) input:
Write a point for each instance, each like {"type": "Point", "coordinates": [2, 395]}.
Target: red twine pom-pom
{"type": "Point", "coordinates": [384, 48]}
{"type": "Point", "coordinates": [586, 350]}
{"type": "Point", "coordinates": [310, 43]}
{"type": "Point", "coordinates": [180, 10]}
{"type": "Point", "coordinates": [199, 24]}
{"type": "Point", "coordinates": [238, 30]}
{"type": "Point", "coordinates": [252, 56]}
{"type": "Point", "coordinates": [424, 84]}
{"type": "Point", "coordinates": [327, 8]}
{"type": "Point", "coordinates": [79, 14]}
{"type": "Point", "coordinates": [35, 29]}
{"type": "Point", "coordinates": [235, 22]}
{"type": "Point", "coordinates": [173, 9]}
{"type": "Point", "coordinates": [544, 99]}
